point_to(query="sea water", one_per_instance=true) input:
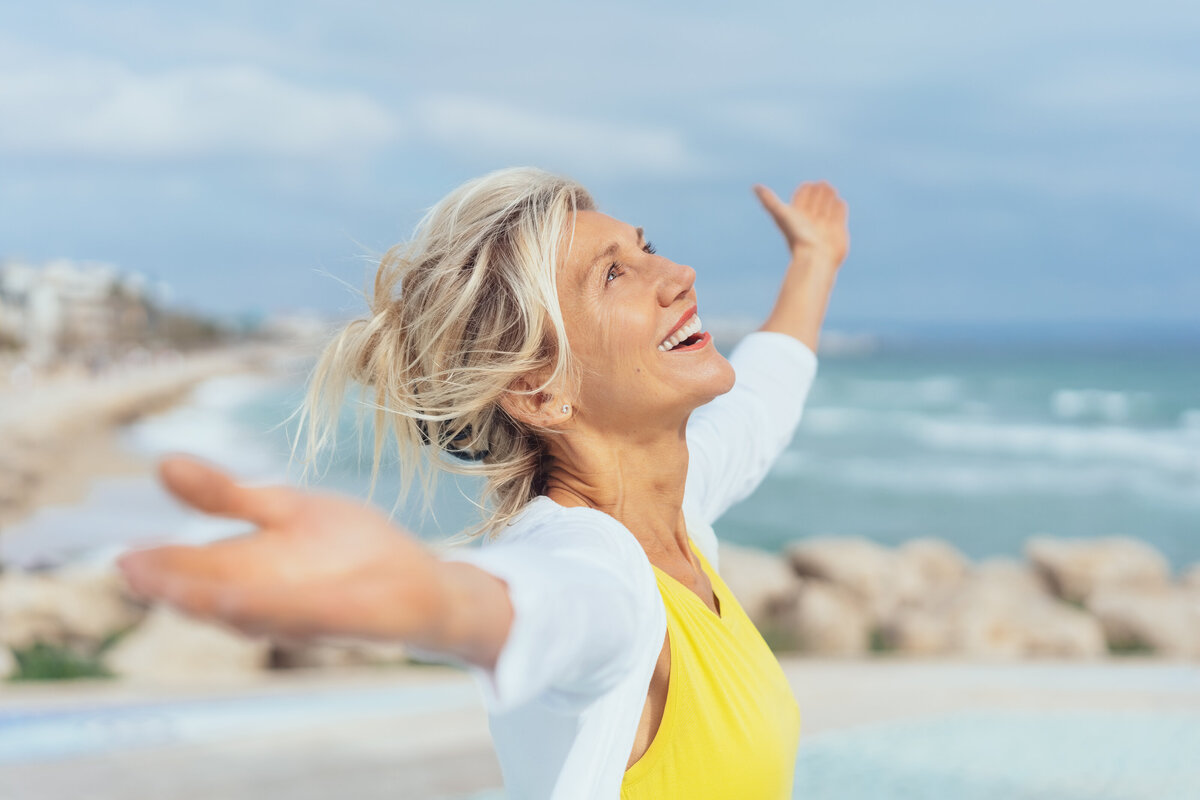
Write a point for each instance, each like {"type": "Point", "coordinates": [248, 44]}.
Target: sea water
{"type": "Point", "coordinates": [981, 441]}
{"type": "Point", "coordinates": [966, 435]}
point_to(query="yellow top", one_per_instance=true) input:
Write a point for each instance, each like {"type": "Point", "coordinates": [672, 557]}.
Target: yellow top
{"type": "Point", "coordinates": [731, 724]}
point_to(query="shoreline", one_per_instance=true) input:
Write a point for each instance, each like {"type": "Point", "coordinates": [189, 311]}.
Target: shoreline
{"type": "Point", "coordinates": [59, 436]}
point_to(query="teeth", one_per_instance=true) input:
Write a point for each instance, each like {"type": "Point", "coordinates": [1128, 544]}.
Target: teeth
{"type": "Point", "coordinates": [692, 326]}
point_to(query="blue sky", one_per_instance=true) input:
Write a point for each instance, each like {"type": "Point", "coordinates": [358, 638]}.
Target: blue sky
{"type": "Point", "coordinates": [1022, 163]}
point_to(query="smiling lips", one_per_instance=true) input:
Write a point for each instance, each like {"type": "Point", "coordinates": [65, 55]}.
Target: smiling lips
{"type": "Point", "coordinates": [687, 336]}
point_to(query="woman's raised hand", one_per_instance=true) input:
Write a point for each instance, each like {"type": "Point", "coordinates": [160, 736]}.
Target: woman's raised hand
{"type": "Point", "coordinates": [317, 564]}
{"type": "Point", "coordinates": [814, 223]}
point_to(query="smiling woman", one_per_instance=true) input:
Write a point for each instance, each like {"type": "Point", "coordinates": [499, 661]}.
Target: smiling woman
{"type": "Point", "coordinates": [526, 337]}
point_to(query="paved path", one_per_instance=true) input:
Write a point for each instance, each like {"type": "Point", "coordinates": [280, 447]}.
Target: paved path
{"type": "Point", "coordinates": [422, 733]}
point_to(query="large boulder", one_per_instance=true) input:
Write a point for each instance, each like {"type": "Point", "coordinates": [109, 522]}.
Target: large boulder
{"type": "Point", "coordinates": [332, 655]}
{"type": "Point", "coordinates": [758, 579]}
{"type": "Point", "coordinates": [1000, 610]}
{"type": "Point", "coordinates": [822, 618]}
{"type": "Point", "coordinates": [8, 664]}
{"type": "Point", "coordinates": [869, 571]}
{"type": "Point", "coordinates": [938, 564]}
{"type": "Point", "coordinates": [171, 647]}
{"type": "Point", "coordinates": [1074, 568]}
{"type": "Point", "coordinates": [1165, 620]}
{"type": "Point", "coordinates": [74, 607]}
{"type": "Point", "coordinates": [1191, 577]}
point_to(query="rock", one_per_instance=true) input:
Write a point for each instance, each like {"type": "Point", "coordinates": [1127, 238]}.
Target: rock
{"type": "Point", "coordinates": [1074, 568]}
{"type": "Point", "coordinates": [1000, 610]}
{"type": "Point", "coordinates": [67, 607]}
{"type": "Point", "coordinates": [938, 564]}
{"type": "Point", "coordinates": [170, 647]}
{"type": "Point", "coordinates": [8, 664]}
{"type": "Point", "coordinates": [869, 571]}
{"type": "Point", "coordinates": [331, 655]}
{"type": "Point", "coordinates": [820, 617]}
{"type": "Point", "coordinates": [1165, 620]}
{"type": "Point", "coordinates": [1006, 577]}
{"type": "Point", "coordinates": [758, 579]}
{"type": "Point", "coordinates": [920, 632]}
{"type": "Point", "coordinates": [1191, 577]}
{"type": "Point", "coordinates": [1054, 629]}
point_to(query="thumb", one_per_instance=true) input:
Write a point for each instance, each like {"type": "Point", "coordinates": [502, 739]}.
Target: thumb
{"type": "Point", "coordinates": [771, 202]}
{"type": "Point", "coordinates": [213, 491]}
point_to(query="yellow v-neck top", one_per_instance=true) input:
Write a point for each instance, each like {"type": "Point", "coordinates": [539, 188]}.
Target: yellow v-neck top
{"type": "Point", "coordinates": [731, 724]}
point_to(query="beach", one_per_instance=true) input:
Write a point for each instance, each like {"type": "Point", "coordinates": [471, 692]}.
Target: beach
{"type": "Point", "coordinates": [966, 729]}
{"type": "Point", "coordinates": [59, 433]}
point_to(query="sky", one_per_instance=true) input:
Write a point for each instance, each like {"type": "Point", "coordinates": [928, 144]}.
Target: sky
{"type": "Point", "coordinates": [1022, 163]}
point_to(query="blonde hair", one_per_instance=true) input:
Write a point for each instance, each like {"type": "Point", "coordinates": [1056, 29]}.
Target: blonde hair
{"type": "Point", "coordinates": [459, 313]}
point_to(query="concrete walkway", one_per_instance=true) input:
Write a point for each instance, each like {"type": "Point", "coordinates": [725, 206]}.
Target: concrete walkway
{"type": "Point", "coordinates": [421, 732]}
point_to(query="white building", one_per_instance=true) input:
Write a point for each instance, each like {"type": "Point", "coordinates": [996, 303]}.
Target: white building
{"type": "Point", "coordinates": [70, 308]}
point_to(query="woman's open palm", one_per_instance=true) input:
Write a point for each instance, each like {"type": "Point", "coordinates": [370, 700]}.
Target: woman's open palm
{"type": "Point", "coordinates": [816, 219]}
{"type": "Point", "coordinates": [318, 564]}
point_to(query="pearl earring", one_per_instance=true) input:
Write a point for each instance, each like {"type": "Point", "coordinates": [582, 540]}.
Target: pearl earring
{"type": "Point", "coordinates": [566, 409]}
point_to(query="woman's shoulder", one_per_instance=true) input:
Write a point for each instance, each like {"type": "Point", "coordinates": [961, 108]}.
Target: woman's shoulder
{"type": "Point", "coordinates": [543, 518]}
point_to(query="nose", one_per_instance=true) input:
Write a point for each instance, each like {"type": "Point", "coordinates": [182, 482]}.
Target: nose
{"type": "Point", "coordinates": [675, 282]}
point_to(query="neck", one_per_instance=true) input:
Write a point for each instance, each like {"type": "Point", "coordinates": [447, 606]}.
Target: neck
{"type": "Point", "coordinates": [638, 480]}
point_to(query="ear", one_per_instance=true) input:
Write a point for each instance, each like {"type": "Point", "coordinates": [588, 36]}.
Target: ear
{"type": "Point", "coordinates": [541, 409]}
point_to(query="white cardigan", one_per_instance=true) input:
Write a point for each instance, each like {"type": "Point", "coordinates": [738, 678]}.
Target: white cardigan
{"type": "Point", "coordinates": [567, 693]}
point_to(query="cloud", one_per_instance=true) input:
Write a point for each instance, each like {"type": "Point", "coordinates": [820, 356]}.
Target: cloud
{"type": "Point", "coordinates": [475, 126]}
{"type": "Point", "coordinates": [93, 108]}
{"type": "Point", "coordinates": [1129, 94]}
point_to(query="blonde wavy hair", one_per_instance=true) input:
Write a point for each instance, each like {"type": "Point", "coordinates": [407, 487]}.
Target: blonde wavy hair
{"type": "Point", "coordinates": [459, 314]}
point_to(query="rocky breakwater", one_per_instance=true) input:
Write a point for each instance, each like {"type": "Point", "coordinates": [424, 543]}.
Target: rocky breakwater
{"type": "Point", "coordinates": [1068, 598]}
{"type": "Point", "coordinates": [828, 596]}
{"type": "Point", "coordinates": [85, 616]}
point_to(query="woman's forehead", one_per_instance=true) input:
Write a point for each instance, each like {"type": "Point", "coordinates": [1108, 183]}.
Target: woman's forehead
{"type": "Point", "coordinates": [594, 236]}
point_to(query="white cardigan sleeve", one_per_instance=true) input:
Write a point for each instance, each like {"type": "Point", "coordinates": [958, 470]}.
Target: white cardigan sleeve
{"type": "Point", "coordinates": [734, 440]}
{"type": "Point", "coordinates": [580, 610]}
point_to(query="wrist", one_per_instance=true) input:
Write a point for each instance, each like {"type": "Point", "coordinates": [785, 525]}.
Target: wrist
{"type": "Point", "coordinates": [818, 262]}
{"type": "Point", "coordinates": [475, 614]}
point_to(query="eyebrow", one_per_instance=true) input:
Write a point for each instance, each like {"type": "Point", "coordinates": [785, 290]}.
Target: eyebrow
{"type": "Point", "coordinates": [609, 252]}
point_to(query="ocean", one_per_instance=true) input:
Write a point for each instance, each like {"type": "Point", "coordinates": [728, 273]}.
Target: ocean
{"type": "Point", "coordinates": [976, 438]}
{"type": "Point", "coordinates": [979, 437]}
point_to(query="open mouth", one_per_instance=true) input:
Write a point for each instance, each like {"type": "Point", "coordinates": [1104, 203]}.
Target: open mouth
{"type": "Point", "coordinates": [687, 336]}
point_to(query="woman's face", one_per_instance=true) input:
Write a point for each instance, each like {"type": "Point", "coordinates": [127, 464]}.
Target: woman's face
{"type": "Point", "coordinates": [626, 309]}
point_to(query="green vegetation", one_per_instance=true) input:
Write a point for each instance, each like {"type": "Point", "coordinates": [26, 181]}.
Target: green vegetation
{"type": "Point", "coordinates": [49, 662]}
{"type": "Point", "coordinates": [55, 662]}
{"type": "Point", "coordinates": [880, 642]}
{"type": "Point", "coordinates": [1130, 648]}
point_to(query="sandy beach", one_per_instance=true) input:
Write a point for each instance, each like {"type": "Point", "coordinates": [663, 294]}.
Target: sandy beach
{"type": "Point", "coordinates": [59, 434]}
{"type": "Point", "coordinates": [420, 732]}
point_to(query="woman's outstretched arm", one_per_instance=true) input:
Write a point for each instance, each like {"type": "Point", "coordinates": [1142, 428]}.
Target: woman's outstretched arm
{"type": "Point", "coordinates": [814, 225]}
{"type": "Point", "coordinates": [319, 564]}
{"type": "Point", "coordinates": [734, 440]}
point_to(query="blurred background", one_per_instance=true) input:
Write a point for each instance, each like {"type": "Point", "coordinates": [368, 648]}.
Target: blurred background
{"type": "Point", "coordinates": [192, 198]}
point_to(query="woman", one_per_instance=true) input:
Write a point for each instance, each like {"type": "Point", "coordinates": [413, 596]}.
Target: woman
{"type": "Point", "coordinates": [528, 338]}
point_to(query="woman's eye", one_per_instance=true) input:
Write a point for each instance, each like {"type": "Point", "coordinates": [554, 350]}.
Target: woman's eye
{"type": "Point", "coordinates": [649, 248]}
{"type": "Point", "coordinates": [613, 272]}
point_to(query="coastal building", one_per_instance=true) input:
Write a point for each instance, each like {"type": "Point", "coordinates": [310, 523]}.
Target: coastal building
{"type": "Point", "coordinates": [82, 310]}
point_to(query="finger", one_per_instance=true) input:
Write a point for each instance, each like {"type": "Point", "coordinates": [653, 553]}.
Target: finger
{"type": "Point", "coordinates": [152, 573]}
{"type": "Point", "coordinates": [183, 578]}
{"type": "Point", "coordinates": [212, 491]}
{"type": "Point", "coordinates": [774, 206]}
{"type": "Point", "coordinates": [807, 198]}
{"type": "Point", "coordinates": [827, 201]}
{"type": "Point", "coordinates": [802, 191]}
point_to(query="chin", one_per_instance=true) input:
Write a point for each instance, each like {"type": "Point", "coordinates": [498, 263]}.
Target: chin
{"type": "Point", "coordinates": [718, 378]}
